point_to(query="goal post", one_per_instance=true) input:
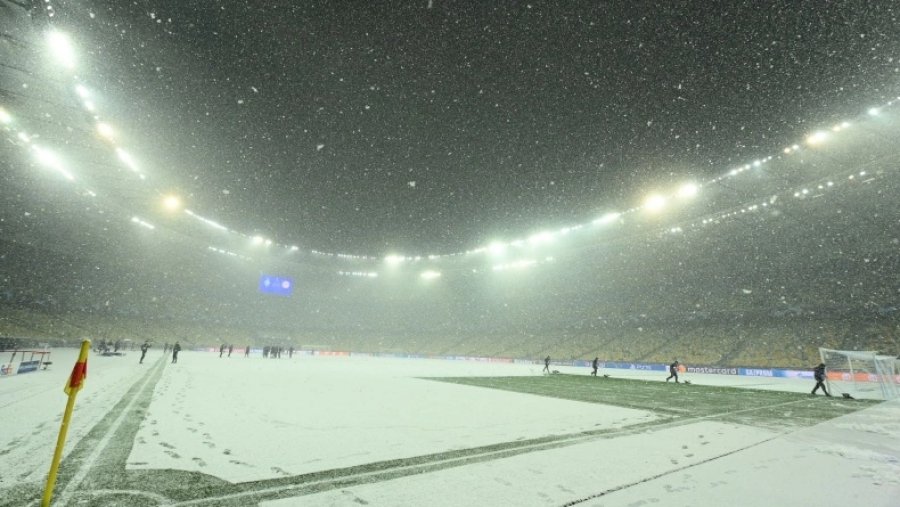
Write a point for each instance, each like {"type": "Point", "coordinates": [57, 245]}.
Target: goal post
{"type": "Point", "coordinates": [861, 374]}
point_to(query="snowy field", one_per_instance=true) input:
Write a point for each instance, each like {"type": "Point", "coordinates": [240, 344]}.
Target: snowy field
{"type": "Point", "coordinates": [340, 431]}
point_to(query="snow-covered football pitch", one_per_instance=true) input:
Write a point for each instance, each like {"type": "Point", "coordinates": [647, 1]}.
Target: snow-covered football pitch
{"type": "Point", "coordinates": [349, 431]}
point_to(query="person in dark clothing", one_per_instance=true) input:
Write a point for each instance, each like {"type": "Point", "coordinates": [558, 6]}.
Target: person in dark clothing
{"type": "Point", "coordinates": [144, 348]}
{"type": "Point", "coordinates": [595, 364]}
{"type": "Point", "coordinates": [175, 350]}
{"type": "Point", "coordinates": [291, 352]}
{"type": "Point", "coordinates": [819, 374]}
{"type": "Point", "coordinates": [546, 365]}
{"type": "Point", "coordinates": [221, 350]}
{"type": "Point", "coordinates": [266, 351]}
{"type": "Point", "coordinates": [230, 350]}
{"type": "Point", "coordinates": [673, 372]}
{"type": "Point", "coordinates": [247, 351]}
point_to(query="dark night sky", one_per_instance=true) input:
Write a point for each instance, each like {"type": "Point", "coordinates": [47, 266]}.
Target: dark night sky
{"type": "Point", "coordinates": [315, 117]}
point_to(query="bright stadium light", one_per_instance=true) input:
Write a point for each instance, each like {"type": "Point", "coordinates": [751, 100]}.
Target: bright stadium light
{"type": "Point", "coordinates": [816, 138]}
{"type": "Point", "coordinates": [4, 116]}
{"type": "Point", "coordinates": [430, 275]}
{"type": "Point", "coordinates": [689, 190]}
{"type": "Point", "coordinates": [125, 157]}
{"type": "Point", "coordinates": [172, 203]}
{"type": "Point", "coordinates": [655, 203]}
{"type": "Point", "coordinates": [142, 223]}
{"type": "Point", "coordinates": [497, 248]}
{"type": "Point", "coordinates": [257, 240]}
{"type": "Point", "coordinates": [49, 159]}
{"type": "Point", "coordinates": [541, 237]}
{"type": "Point", "coordinates": [82, 91]}
{"type": "Point", "coordinates": [105, 130]}
{"type": "Point", "coordinates": [394, 259]}
{"type": "Point", "coordinates": [608, 218]}
{"type": "Point", "coordinates": [61, 48]}
{"type": "Point", "coordinates": [873, 111]}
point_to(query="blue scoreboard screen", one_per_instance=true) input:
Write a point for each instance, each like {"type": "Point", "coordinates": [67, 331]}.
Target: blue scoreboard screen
{"type": "Point", "coordinates": [277, 285]}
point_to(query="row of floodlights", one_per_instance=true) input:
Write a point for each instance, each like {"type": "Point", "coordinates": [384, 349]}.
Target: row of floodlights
{"type": "Point", "coordinates": [62, 48]}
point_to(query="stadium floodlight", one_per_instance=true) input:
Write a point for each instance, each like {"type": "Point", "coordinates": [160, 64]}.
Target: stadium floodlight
{"type": "Point", "coordinates": [655, 203]}
{"type": "Point", "coordinates": [89, 105]}
{"type": "Point", "coordinates": [816, 138]}
{"type": "Point", "coordinates": [49, 159]}
{"type": "Point", "coordinates": [608, 218]}
{"type": "Point", "coordinates": [689, 190]}
{"type": "Point", "coordinates": [4, 116]}
{"type": "Point", "coordinates": [105, 130]}
{"type": "Point", "coordinates": [430, 275]}
{"type": "Point", "coordinates": [61, 48]}
{"type": "Point", "coordinates": [172, 203]}
{"type": "Point", "coordinates": [873, 111]}
{"type": "Point", "coordinates": [540, 237]}
{"type": "Point", "coordinates": [24, 137]}
{"type": "Point", "coordinates": [295, 248]}
{"type": "Point", "coordinates": [142, 223]}
{"type": "Point", "coordinates": [125, 157]}
{"type": "Point", "coordinates": [497, 248]}
{"type": "Point", "coordinates": [393, 259]}
{"type": "Point", "coordinates": [82, 91]}
{"type": "Point", "coordinates": [257, 240]}
{"type": "Point", "coordinates": [268, 242]}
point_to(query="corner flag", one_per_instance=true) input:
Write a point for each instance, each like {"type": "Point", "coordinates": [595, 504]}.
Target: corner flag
{"type": "Point", "coordinates": [76, 381]}
{"type": "Point", "coordinates": [79, 372]}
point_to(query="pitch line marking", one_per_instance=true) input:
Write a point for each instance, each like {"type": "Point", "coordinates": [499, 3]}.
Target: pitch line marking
{"type": "Point", "coordinates": [88, 464]}
{"type": "Point", "coordinates": [572, 440]}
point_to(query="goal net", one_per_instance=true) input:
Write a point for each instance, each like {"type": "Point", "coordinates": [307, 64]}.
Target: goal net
{"type": "Point", "coordinates": [861, 374]}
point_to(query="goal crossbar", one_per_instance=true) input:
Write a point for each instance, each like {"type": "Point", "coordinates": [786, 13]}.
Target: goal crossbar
{"type": "Point", "coordinates": [862, 374]}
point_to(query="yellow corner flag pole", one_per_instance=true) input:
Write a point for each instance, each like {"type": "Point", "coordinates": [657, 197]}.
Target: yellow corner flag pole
{"type": "Point", "coordinates": [76, 380]}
